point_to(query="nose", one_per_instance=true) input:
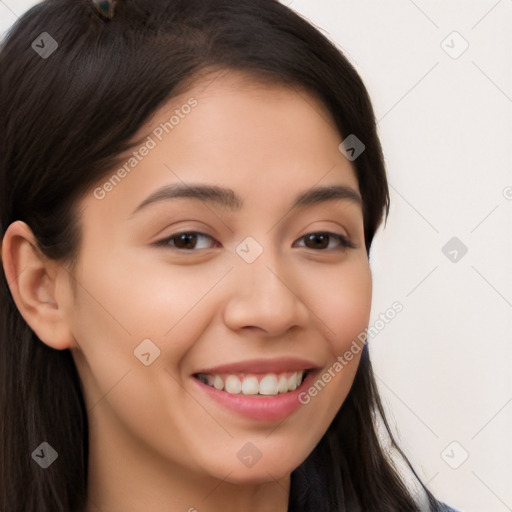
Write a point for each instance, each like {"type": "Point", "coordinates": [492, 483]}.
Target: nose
{"type": "Point", "coordinates": [265, 296]}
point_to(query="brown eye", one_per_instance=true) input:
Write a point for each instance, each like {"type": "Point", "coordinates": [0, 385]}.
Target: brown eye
{"type": "Point", "coordinates": [187, 240]}
{"type": "Point", "coordinates": [321, 240]}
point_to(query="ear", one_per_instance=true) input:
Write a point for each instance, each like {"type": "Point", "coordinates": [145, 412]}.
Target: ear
{"type": "Point", "coordinates": [40, 287]}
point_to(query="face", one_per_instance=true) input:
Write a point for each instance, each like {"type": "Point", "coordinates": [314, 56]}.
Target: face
{"type": "Point", "coordinates": [188, 303]}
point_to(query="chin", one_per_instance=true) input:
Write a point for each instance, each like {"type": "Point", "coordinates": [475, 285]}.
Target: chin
{"type": "Point", "coordinates": [260, 472]}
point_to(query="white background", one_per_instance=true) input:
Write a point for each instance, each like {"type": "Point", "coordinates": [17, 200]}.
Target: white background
{"type": "Point", "coordinates": [443, 364]}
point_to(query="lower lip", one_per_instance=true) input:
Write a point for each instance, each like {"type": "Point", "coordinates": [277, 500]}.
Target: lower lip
{"type": "Point", "coordinates": [262, 408]}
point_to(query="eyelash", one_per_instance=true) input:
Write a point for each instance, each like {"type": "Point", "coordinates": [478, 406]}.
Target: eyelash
{"type": "Point", "coordinates": [344, 242]}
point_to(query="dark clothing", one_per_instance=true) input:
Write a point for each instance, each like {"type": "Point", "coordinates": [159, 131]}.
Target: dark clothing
{"type": "Point", "coordinates": [307, 494]}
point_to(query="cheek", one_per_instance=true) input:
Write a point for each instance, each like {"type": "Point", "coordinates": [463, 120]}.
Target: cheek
{"type": "Point", "coordinates": [343, 308]}
{"type": "Point", "coordinates": [342, 304]}
{"type": "Point", "coordinates": [138, 297]}
{"type": "Point", "coordinates": [125, 299]}
{"type": "Point", "coordinates": [122, 302]}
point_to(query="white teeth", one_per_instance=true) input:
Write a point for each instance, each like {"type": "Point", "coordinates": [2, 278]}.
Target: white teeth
{"type": "Point", "coordinates": [218, 383]}
{"type": "Point", "coordinates": [249, 386]}
{"type": "Point", "coordinates": [270, 385]}
{"type": "Point", "coordinates": [233, 385]}
{"type": "Point", "coordinates": [292, 382]}
{"type": "Point", "coordinates": [282, 386]}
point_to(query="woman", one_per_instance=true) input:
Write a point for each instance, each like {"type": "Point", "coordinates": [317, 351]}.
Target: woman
{"type": "Point", "coordinates": [190, 190]}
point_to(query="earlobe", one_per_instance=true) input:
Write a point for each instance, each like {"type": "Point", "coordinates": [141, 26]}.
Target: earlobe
{"type": "Point", "coordinates": [32, 280]}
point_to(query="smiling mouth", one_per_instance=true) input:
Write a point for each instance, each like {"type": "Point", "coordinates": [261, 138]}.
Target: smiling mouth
{"type": "Point", "coordinates": [253, 384]}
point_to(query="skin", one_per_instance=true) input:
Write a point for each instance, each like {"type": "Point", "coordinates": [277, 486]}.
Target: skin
{"type": "Point", "coordinates": [157, 443]}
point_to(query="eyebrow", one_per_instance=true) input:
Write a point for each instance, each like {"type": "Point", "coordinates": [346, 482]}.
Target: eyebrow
{"type": "Point", "coordinates": [228, 199]}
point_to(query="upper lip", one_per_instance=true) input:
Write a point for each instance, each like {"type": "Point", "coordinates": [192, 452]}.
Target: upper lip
{"type": "Point", "coordinates": [281, 365]}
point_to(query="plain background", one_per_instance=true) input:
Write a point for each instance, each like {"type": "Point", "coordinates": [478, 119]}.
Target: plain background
{"type": "Point", "coordinates": [443, 364]}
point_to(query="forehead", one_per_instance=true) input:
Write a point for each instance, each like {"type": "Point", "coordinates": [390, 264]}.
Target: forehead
{"type": "Point", "coordinates": [262, 139]}
{"type": "Point", "coordinates": [235, 107]}
{"type": "Point", "coordinates": [251, 123]}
